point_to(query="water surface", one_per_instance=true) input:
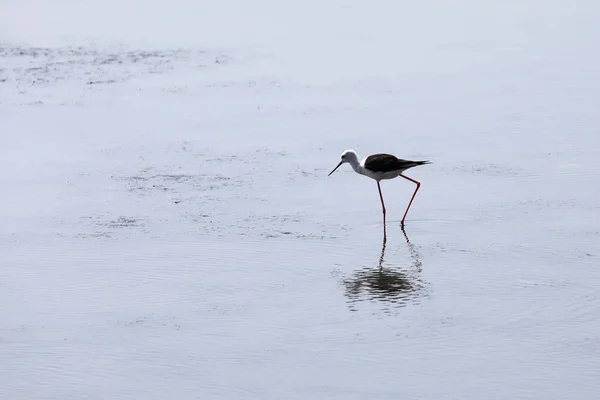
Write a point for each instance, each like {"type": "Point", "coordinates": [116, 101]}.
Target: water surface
{"type": "Point", "coordinates": [168, 229]}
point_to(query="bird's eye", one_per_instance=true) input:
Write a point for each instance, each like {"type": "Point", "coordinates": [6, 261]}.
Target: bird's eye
{"type": "Point", "coordinates": [344, 156]}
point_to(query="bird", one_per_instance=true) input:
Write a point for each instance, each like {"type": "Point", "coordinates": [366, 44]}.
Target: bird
{"type": "Point", "coordinates": [382, 166]}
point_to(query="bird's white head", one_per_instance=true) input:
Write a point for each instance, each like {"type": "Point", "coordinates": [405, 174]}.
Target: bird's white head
{"type": "Point", "coordinates": [348, 156]}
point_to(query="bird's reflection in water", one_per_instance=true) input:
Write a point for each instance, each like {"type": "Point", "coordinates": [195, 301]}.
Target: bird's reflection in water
{"type": "Point", "coordinates": [393, 286]}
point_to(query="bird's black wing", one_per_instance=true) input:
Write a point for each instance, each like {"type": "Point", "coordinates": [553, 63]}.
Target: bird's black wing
{"type": "Point", "coordinates": [386, 163]}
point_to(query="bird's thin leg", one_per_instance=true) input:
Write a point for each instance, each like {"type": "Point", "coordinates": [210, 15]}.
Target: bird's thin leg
{"type": "Point", "coordinates": [381, 197]}
{"type": "Point", "coordinates": [412, 198]}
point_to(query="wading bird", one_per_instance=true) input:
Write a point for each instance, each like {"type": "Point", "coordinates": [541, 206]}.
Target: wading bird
{"type": "Point", "coordinates": [379, 167]}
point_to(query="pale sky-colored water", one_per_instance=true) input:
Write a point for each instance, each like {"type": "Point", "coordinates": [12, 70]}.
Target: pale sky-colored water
{"type": "Point", "coordinates": [168, 229]}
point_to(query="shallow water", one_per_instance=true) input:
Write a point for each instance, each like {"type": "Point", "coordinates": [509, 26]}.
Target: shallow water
{"type": "Point", "coordinates": [168, 229]}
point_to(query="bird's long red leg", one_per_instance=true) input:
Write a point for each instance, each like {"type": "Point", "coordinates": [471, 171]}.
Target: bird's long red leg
{"type": "Point", "coordinates": [381, 197]}
{"type": "Point", "coordinates": [412, 198]}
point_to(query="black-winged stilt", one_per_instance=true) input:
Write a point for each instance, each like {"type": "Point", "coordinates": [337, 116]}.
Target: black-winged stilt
{"type": "Point", "coordinates": [381, 166]}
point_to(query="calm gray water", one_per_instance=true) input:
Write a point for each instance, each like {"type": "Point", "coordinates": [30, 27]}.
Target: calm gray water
{"type": "Point", "coordinates": [168, 229]}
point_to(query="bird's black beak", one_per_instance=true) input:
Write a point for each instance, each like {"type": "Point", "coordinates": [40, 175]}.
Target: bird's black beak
{"type": "Point", "coordinates": [341, 162]}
